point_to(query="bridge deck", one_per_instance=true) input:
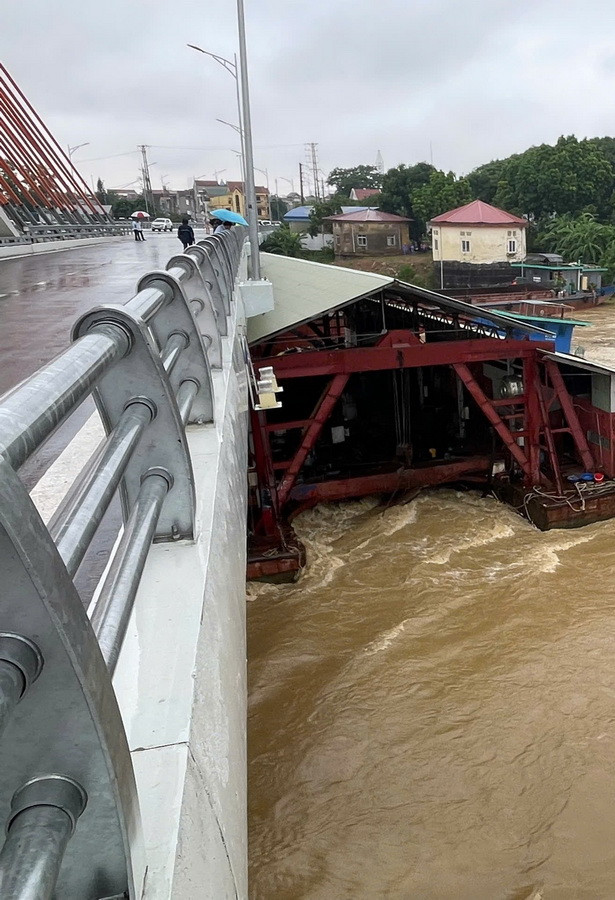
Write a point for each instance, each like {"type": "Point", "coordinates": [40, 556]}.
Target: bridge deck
{"type": "Point", "coordinates": [40, 298]}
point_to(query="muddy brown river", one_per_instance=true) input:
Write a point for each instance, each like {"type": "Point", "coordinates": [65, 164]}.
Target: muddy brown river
{"type": "Point", "coordinates": [432, 705]}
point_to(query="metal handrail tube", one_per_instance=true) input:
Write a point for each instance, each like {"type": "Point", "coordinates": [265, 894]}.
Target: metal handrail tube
{"type": "Point", "coordinates": [77, 518]}
{"type": "Point", "coordinates": [30, 412]}
{"type": "Point", "coordinates": [186, 393]}
{"type": "Point", "coordinates": [112, 610]}
{"type": "Point", "coordinates": [43, 815]}
{"type": "Point", "coordinates": [147, 302]}
{"type": "Point", "coordinates": [12, 684]}
{"type": "Point", "coordinates": [32, 854]}
{"type": "Point", "coordinates": [172, 349]}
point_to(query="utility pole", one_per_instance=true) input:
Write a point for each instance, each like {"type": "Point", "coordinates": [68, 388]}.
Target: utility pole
{"type": "Point", "coordinates": [301, 182]}
{"type": "Point", "coordinates": [148, 195]}
{"type": "Point", "coordinates": [251, 209]}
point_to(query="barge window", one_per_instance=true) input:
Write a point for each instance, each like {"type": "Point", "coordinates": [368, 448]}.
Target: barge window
{"type": "Point", "coordinates": [362, 240]}
{"type": "Point", "coordinates": [512, 246]}
{"type": "Point", "coordinates": [465, 246]}
{"type": "Point", "coordinates": [391, 240]}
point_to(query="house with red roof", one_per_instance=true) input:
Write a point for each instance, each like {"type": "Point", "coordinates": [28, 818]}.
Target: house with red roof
{"type": "Point", "coordinates": [366, 231]}
{"type": "Point", "coordinates": [475, 244]}
{"type": "Point", "coordinates": [364, 193]}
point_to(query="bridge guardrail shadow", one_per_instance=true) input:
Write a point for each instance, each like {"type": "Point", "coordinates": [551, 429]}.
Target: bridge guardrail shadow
{"type": "Point", "coordinates": [67, 789]}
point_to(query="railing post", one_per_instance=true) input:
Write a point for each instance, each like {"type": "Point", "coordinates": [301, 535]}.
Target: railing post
{"type": "Point", "coordinates": [44, 813]}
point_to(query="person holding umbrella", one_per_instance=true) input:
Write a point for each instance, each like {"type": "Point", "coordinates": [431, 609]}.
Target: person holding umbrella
{"type": "Point", "coordinates": [217, 226]}
{"type": "Point", "coordinates": [225, 219]}
{"type": "Point", "coordinates": [137, 227]}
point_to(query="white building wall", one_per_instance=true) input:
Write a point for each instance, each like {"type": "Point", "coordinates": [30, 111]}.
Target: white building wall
{"type": "Point", "coordinates": [487, 243]}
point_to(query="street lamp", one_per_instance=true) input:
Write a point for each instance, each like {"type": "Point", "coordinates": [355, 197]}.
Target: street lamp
{"type": "Point", "coordinates": [240, 155]}
{"type": "Point", "coordinates": [240, 74]}
{"type": "Point", "coordinates": [288, 181]}
{"type": "Point", "coordinates": [74, 149]}
{"type": "Point", "coordinates": [231, 68]}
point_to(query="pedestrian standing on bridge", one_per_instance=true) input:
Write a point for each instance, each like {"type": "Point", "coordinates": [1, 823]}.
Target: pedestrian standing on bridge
{"type": "Point", "coordinates": [137, 230]}
{"type": "Point", "coordinates": [185, 233]}
{"type": "Point", "coordinates": [217, 226]}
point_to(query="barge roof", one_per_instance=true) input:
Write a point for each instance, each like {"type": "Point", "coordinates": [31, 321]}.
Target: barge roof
{"type": "Point", "coordinates": [304, 290]}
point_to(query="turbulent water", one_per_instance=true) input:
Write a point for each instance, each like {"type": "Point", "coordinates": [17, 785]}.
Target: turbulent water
{"type": "Point", "coordinates": [432, 706]}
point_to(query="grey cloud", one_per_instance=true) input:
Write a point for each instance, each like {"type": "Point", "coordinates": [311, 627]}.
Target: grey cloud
{"type": "Point", "coordinates": [475, 79]}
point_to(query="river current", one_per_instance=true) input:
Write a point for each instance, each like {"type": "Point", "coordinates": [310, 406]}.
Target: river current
{"type": "Point", "coordinates": [432, 704]}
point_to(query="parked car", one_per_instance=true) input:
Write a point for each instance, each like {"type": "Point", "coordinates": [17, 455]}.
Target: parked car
{"type": "Point", "coordinates": [162, 225]}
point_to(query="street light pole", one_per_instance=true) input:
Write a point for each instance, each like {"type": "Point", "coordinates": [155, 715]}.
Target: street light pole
{"type": "Point", "coordinates": [232, 69]}
{"type": "Point", "coordinates": [255, 269]}
{"type": "Point", "coordinates": [74, 149]}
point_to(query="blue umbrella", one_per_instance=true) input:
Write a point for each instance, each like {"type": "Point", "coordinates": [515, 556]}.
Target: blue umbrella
{"type": "Point", "coordinates": [225, 215]}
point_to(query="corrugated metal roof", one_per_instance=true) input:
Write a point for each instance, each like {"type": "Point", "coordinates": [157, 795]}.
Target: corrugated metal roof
{"type": "Point", "coordinates": [303, 290]}
{"type": "Point", "coordinates": [299, 212]}
{"type": "Point", "coordinates": [570, 360]}
{"type": "Point", "coordinates": [367, 215]}
{"type": "Point", "coordinates": [478, 213]}
{"type": "Point", "coordinates": [364, 193]}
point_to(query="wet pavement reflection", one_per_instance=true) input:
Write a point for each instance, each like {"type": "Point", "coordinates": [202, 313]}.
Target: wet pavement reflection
{"type": "Point", "coordinates": [40, 299]}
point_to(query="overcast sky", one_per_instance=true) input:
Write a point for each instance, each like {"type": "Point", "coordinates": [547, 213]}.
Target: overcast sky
{"type": "Point", "coordinates": [456, 81]}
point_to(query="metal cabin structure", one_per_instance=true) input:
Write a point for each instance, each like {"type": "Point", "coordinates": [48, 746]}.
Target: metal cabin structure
{"type": "Point", "coordinates": [393, 387]}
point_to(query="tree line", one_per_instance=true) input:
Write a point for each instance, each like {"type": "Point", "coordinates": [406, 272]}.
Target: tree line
{"type": "Point", "coordinates": [566, 191]}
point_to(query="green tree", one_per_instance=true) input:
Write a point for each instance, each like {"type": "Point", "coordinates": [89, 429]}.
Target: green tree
{"type": "Point", "coordinates": [278, 209]}
{"type": "Point", "coordinates": [582, 238]}
{"type": "Point", "coordinates": [484, 181]}
{"type": "Point", "coordinates": [283, 242]}
{"type": "Point", "coordinates": [101, 194]}
{"type": "Point", "coordinates": [344, 180]}
{"type": "Point", "coordinates": [320, 211]}
{"type": "Point", "coordinates": [566, 179]}
{"type": "Point", "coordinates": [443, 191]}
{"type": "Point", "coordinates": [122, 207]}
{"type": "Point", "coordinates": [399, 186]}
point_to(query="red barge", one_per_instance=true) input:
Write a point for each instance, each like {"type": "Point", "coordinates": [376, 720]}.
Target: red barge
{"type": "Point", "coordinates": [389, 388]}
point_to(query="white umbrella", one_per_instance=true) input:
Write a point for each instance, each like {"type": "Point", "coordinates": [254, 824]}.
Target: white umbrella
{"type": "Point", "coordinates": [139, 214]}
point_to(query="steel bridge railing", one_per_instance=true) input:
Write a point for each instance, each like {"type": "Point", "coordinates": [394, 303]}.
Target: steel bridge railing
{"type": "Point", "coordinates": [67, 790]}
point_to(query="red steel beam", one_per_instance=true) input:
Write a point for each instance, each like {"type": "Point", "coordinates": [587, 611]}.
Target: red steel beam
{"type": "Point", "coordinates": [531, 389]}
{"type": "Point", "coordinates": [548, 432]}
{"type": "Point", "coordinates": [571, 417]}
{"type": "Point", "coordinates": [264, 469]}
{"type": "Point", "coordinates": [286, 426]}
{"type": "Point", "coordinates": [486, 406]}
{"type": "Point", "coordinates": [388, 482]}
{"type": "Point", "coordinates": [65, 174]}
{"type": "Point", "coordinates": [366, 359]}
{"type": "Point", "coordinates": [321, 413]}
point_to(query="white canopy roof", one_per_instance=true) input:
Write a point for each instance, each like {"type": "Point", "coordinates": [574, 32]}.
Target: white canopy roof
{"type": "Point", "coordinates": [303, 290]}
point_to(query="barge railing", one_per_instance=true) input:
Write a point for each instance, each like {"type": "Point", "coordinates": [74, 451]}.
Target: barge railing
{"type": "Point", "coordinates": [67, 790]}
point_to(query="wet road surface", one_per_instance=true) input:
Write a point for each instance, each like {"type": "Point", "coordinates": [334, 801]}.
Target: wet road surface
{"type": "Point", "coordinates": [42, 296]}
{"type": "Point", "coordinates": [40, 299]}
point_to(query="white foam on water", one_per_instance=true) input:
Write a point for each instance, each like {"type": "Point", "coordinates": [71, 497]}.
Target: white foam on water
{"type": "Point", "coordinates": [499, 531]}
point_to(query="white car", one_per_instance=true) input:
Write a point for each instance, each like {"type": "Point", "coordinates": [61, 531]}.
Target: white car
{"type": "Point", "coordinates": [162, 225]}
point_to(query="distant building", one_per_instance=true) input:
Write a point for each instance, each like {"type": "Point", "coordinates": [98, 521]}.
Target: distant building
{"type": "Point", "coordinates": [363, 193]}
{"type": "Point", "coordinates": [474, 245]}
{"type": "Point", "coordinates": [365, 232]}
{"type": "Point", "coordinates": [298, 219]}
{"type": "Point", "coordinates": [293, 199]}
{"type": "Point", "coordinates": [231, 195]}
